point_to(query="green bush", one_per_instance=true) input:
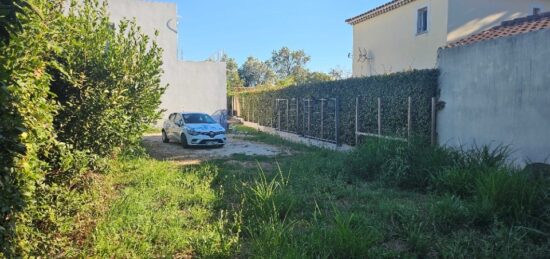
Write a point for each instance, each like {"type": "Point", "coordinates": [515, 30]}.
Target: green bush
{"type": "Point", "coordinates": [394, 90]}
{"type": "Point", "coordinates": [109, 87]}
{"type": "Point", "coordinates": [66, 101]}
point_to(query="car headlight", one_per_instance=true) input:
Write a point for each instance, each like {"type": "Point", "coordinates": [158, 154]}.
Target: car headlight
{"type": "Point", "coordinates": [192, 132]}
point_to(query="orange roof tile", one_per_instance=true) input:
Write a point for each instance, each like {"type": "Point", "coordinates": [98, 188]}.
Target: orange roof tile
{"type": "Point", "coordinates": [508, 28]}
{"type": "Point", "coordinates": [378, 11]}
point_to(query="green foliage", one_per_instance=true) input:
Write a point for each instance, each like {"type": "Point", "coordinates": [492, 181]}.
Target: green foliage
{"type": "Point", "coordinates": [394, 91]}
{"type": "Point", "coordinates": [255, 72]}
{"type": "Point", "coordinates": [66, 102]}
{"type": "Point", "coordinates": [9, 21]}
{"type": "Point", "coordinates": [164, 212]}
{"type": "Point", "coordinates": [111, 92]}
{"type": "Point", "coordinates": [286, 63]}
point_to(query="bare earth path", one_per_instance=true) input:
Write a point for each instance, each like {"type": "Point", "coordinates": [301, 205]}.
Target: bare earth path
{"type": "Point", "coordinates": [175, 152]}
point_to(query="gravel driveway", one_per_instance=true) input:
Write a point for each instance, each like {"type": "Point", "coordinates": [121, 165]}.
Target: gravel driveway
{"type": "Point", "coordinates": [187, 156]}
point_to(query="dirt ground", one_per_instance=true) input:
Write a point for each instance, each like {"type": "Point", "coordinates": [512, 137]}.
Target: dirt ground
{"type": "Point", "coordinates": [195, 155]}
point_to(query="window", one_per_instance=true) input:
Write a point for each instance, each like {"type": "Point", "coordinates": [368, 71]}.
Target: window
{"type": "Point", "coordinates": [422, 21]}
{"type": "Point", "coordinates": [537, 10]}
{"type": "Point", "coordinates": [172, 116]}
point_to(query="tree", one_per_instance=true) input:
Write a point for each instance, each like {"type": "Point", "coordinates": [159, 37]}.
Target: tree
{"type": "Point", "coordinates": [316, 77]}
{"type": "Point", "coordinates": [233, 78]}
{"type": "Point", "coordinates": [286, 62]}
{"type": "Point", "coordinates": [336, 73]}
{"type": "Point", "coordinates": [255, 72]}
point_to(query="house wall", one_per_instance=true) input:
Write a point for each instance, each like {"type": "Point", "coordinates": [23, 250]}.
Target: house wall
{"type": "Point", "coordinates": [192, 86]}
{"type": "Point", "coordinates": [497, 92]}
{"type": "Point", "coordinates": [392, 41]}
{"type": "Point", "coordinates": [467, 17]}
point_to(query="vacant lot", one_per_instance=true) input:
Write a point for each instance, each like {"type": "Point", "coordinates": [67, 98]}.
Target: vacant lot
{"type": "Point", "coordinates": [301, 202]}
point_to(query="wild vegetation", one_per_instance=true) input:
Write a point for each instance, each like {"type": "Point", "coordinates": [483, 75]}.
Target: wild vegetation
{"type": "Point", "coordinates": [74, 92]}
{"type": "Point", "coordinates": [383, 200]}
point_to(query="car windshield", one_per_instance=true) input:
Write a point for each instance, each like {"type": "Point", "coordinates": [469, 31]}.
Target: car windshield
{"type": "Point", "coordinates": [198, 118]}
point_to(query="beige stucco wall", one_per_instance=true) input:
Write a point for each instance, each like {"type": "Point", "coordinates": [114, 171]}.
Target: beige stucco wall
{"type": "Point", "coordinates": [392, 42]}
{"type": "Point", "coordinates": [467, 17]}
{"type": "Point", "coordinates": [393, 45]}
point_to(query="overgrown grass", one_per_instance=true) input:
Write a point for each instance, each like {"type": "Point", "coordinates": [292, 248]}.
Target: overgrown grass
{"type": "Point", "coordinates": [162, 210]}
{"type": "Point", "coordinates": [384, 200]}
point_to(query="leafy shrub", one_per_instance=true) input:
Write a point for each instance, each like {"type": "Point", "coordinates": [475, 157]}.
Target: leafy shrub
{"type": "Point", "coordinates": [65, 99]}
{"type": "Point", "coordinates": [109, 83]}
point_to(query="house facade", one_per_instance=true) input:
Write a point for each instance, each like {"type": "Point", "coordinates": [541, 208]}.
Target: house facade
{"type": "Point", "coordinates": [192, 86]}
{"type": "Point", "coordinates": [406, 34]}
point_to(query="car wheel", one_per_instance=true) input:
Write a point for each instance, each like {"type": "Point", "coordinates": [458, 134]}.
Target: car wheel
{"type": "Point", "coordinates": [165, 138]}
{"type": "Point", "coordinates": [184, 141]}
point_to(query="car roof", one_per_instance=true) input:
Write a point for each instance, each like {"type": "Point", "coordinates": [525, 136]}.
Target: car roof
{"type": "Point", "coordinates": [186, 113]}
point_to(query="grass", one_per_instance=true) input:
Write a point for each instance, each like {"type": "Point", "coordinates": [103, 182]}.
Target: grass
{"type": "Point", "coordinates": [384, 200]}
{"type": "Point", "coordinates": [161, 210]}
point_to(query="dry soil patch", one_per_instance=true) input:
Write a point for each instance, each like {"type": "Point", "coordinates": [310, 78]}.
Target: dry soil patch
{"type": "Point", "coordinates": [187, 156]}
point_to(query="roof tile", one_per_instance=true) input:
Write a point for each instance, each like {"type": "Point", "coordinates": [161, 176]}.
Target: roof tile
{"type": "Point", "coordinates": [508, 28]}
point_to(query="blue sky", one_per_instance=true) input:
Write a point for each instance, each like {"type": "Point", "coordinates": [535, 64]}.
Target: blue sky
{"type": "Point", "coordinates": [243, 28]}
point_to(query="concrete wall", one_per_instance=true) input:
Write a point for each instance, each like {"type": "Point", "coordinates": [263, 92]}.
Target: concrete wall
{"type": "Point", "coordinates": [193, 86]}
{"type": "Point", "coordinates": [393, 43]}
{"type": "Point", "coordinates": [467, 17]}
{"type": "Point", "coordinates": [498, 92]}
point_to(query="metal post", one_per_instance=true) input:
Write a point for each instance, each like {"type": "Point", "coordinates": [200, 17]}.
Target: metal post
{"type": "Point", "coordinates": [409, 118]}
{"type": "Point", "coordinates": [379, 117]}
{"type": "Point", "coordinates": [433, 121]}
{"type": "Point", "coordinates": [278, 116]}
{"type": "Point", "coordinates": [356, 120]}
{"type": "Point", "coordinates": [287, 120]}
{"type": "Point", "coordinates": [322, 117]}
{"type": "Point", "coordinates": [309, 117]}
{"type": "Point", "coordinates": [336, 121]}
{"type": "Point", "coordinates": [297, 114]}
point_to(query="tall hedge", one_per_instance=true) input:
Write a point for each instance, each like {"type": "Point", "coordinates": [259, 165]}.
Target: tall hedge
{"type": "Point", "coordinates": [421, 85]}
{"type": "Point", "coordinates": [72, 91]}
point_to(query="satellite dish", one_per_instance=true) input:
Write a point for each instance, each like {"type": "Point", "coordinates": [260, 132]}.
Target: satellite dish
{"type": "Point", "coordinates": [170, 27]}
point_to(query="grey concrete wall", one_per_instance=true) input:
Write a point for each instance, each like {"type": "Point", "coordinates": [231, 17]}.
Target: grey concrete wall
{"type": "Point", "coordinates": [193, 86]}
{"type": "Point", "coordinates": [498, 92]}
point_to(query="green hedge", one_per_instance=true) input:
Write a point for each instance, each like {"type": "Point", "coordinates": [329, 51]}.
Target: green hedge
{"type": "Point", "coordinates": [394, 90]}
{"type": "Point", "coordinates": [73, 93]}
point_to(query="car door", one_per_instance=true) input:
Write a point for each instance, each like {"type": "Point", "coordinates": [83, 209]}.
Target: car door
{"type": "Point", "coordinates": [169, 126]}
{"type": "Point", "coordinates": [177, 125]}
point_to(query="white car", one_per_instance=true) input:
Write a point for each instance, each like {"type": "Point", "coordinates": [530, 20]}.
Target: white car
{"type": "Point", "coordinates": [193, 129]}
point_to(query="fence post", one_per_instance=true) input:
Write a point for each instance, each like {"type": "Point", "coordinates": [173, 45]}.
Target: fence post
{"type": "Point", "coordinates": [252, 108]}
{"type": "Point", "coordinates": [322, 117]}
{"type": "Point", "coordinates": [287, 117]}
{"type": "Point", "coordinates": [433, 140]}
{"type": "Point", "coordinates": [356, 120]}
{"type": "Point", "coordinates": [278, 116]}
{"type": "Point", "coordinates": [409, 119]}
{"type": "Point", "coordinates": [337, 121]}
{"type": "Point", "coordinates": [297, 116]}
{"type": "Point", "coordinates": [379, 117]}
{"type": "Point", "coordinates": [309, 117]}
